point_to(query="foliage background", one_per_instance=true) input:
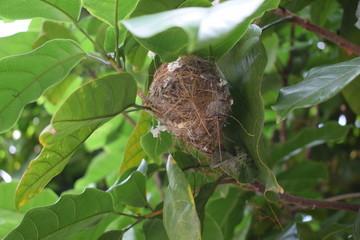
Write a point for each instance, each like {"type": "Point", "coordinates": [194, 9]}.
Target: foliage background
{"type": "Point", "coordinates": [314, 153]}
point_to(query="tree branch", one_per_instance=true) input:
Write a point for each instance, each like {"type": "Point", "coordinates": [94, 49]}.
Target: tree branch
{"type": "Point", "coordinates": [342, 42]}
{"type": "Point", "coordinates": [300, 201]}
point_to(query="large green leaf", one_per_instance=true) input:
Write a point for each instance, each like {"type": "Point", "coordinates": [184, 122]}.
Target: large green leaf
{"type": "Point", "coordinates": [96, 102]}
{"type": "Point", "coordinates": [134, 153]}
{"type": "Point", "coordinates": [319, 85]}
{"type": "Point", "coordinates": [17, 43]}
{"type": "Point", "coordinates": [243, 67]}
{"type": "Point", "coordinates": [307, 138]}
{"type": "Point", "coordinates": [108, 93]}
{"type": "Point", "coordinates": [180, 218]}
{"type": "Point", "coordinates": [53, 30]}
{"type": "Point", "coordinates": [71, 214]}
{"type": "Point", "coordinates": [154, 230]}
{"type": "Point", "coordinates": [131, 191]}
{"type": "Point", "coordinates": [25, 77]}
{"type": "Point", "coordinates": [9, 216]}
{"type": "Point", "coordinates": [302, 176]}
{"type": "Point", "coordinates": [110, 10]}
{"type": "Point", "coordinates": [215, 29]}
{"type": "Point", "coordinates": [63, 11]}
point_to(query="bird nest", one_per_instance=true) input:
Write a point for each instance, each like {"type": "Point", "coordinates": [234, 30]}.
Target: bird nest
{"type": "Point", "coordinates": [191, 99]}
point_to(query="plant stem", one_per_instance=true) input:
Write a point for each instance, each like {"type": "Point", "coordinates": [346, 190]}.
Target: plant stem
{"type": "Point", "coordinates": [116, 27]}
{"type": "Point", "coordinates": [342, 42]}
{"type": "Point", "coordinates": [300, 201]}
{"type": "Point", "coordinates": [100, 50]}
{"type": "Point", "coordinates": [98, 59]}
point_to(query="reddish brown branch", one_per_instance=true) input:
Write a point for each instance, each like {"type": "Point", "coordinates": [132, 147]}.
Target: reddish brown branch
{"type": "Point", "coordinates": [340, 41]}
{"type": "Point", "coordinates": [300, 201]}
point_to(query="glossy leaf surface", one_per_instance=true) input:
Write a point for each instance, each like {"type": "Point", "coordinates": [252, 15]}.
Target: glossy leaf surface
{"type": "Point", "coordinates": [218, 27]}
{"type": "Point", "coordinates": [22, 81]}
{"type": "Point", "coordinates": [319, 85]}
{"type": "Point", "coordinates": [65, 10]}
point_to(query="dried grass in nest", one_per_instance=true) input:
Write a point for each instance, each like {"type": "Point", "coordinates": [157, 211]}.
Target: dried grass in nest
{"type": "Point", "coordinates": [191, 98]}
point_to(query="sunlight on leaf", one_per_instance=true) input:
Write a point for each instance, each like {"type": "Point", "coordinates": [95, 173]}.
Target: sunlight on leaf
{"type": "Point", "coordinates": [218, 27]}
{"type": "Point", "coordinates": [65, 10]}
{"type": "Point", "coordinates": [134, 153]}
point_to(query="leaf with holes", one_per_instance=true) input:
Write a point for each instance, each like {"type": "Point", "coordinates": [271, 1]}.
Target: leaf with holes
{"type": "Point", "coordinates": [319, 85]}
{"type": "Point", "coordinates": [24, 78]}
{"type": "Point", "coordinates": [72, 124]}
{"type": "Point", "coordinates": [64, 11]}
{"type": "Point", "coordinates": [71, 214]}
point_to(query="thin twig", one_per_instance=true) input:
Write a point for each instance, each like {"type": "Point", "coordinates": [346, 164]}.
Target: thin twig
{"type": "Point", "coordinates": [129, 119]}
{"type": "Point", "coordinates": [340, 41]}
{"type": "Point", "coordinates": [98, 59]}
{"type": "Point", "coordinates": [344, 196]}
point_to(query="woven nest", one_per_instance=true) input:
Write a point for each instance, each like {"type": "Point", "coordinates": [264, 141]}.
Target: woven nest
{"type": "Point", "coordinates": [191, 99]}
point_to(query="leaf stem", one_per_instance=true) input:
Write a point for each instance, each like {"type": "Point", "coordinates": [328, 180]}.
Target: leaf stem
{"type": "Point", "coordinates": [116, 32]}
{"type": "Point", "coordinates": [340, 41]}
{"type": "Point", "coordinates": [97, 46]}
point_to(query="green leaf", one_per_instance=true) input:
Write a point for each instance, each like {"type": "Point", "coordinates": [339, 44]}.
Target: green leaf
{"type": "Point", "coordinates": [110, 10]}
{"type": "Point", "coordinates": [154, 147]}
{"type": "Point", "coordinates": [243, 67]}
{"type": "Point", "coordinates": [319, 85]}
{"type": "Point", "coordinates": [180, 218]}
{"type": "Point", "coordinates": [212, 230]}
{"type": "Point", "coordinates": [135, 53]}
{"type": "Point", "coordinates": [109, 42]}
{"type": "Point", "coordinates": [228, 211]}
{"type": "Point", "coordinates": [112, 235]}
{"type": "Point", "coordinates": [356, 227]}
{"type": "Point", "coordinates": [154, 230]}
{"type": "Point", "coordinates": [133, 151]}
{"type": "Point", "coordinates": [307, 138]}
{"type": "Point", "coordinates": [217, 28]}
{"type": "Point", "coordinates": [9, 216]}
{"type": "Point", "coordinates": [131, 191]}
{"type": "Point", "coordinates": [23, 82]}
{"type": "Point", "coordinates": [76, 119]}
{"type": "Point", "coordinates": [18, 43]}
{"type": "Point", "coordinates": [101, 166]}
{"type": "Point", "coordinates": [206, 191]}
{"type": "Point", "coordinates": [53, 158]}
{"type": "Point", "coordinates": [71, 214]}
{"type": "Point", "coordinates": [63, 11]}
{"type": "Point", "coordinates": [53, 30]}
{"type": "Point", "coordinates": [303, 176]}
{"type": "Point", "coordinates": [96, 102]}
{"type": "Point", "coordinates": [351, 95]}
